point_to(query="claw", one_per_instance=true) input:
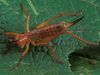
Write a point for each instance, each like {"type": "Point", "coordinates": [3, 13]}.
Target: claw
{"type": "Point", "coordinates": [21, 5]}
{"type": "Point", "coordinates": [13, 68]}
{"type": "Point", "coordinates": [3, 52]}
{"type": "Point", "coordinates": [94, 44]}
{"type": "Point", "coordinates": [79, 12]}
{"type": "Point", "coordinates": [58, 61]}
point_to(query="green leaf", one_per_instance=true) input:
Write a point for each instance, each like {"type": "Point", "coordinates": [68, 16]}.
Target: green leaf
{"type": "Point", "coordinates": [81, 60]}
{"type": "Point", "coordinates": [40, 60]}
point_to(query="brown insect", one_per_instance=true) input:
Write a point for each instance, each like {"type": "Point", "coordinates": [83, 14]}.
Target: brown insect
{"type": "Point", "coordinates": [42, 35]}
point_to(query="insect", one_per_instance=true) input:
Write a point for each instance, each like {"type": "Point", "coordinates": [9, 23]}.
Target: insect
{"type": "Point", "coordinates": [42, 34]}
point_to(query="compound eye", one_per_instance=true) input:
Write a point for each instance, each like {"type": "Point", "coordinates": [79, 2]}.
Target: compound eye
{"type": "Point", "coordinates": [16, 44]}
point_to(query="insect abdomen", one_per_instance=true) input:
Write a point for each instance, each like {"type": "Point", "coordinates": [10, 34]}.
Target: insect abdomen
{"type": "Point", "coordinates": [50, 30]}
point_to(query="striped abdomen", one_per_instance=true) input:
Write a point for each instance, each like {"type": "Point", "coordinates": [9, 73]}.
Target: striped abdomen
{"type": "Point", "coordinates": [50, 30]}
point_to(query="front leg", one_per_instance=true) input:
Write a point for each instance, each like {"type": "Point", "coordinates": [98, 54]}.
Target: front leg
{"type": "Point", "coordinates": [8, 33]}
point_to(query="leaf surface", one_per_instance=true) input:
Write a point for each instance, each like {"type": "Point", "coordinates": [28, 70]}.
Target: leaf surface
{"type": "Point", "coordinates": [40, 60]}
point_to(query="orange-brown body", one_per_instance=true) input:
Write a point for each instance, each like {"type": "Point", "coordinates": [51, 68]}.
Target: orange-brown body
{"type": "Point", "coordinates": [40, 34]}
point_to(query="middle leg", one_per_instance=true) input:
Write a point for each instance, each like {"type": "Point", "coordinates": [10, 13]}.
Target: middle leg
{"type": "Point", "coordinates": [45, 43]}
